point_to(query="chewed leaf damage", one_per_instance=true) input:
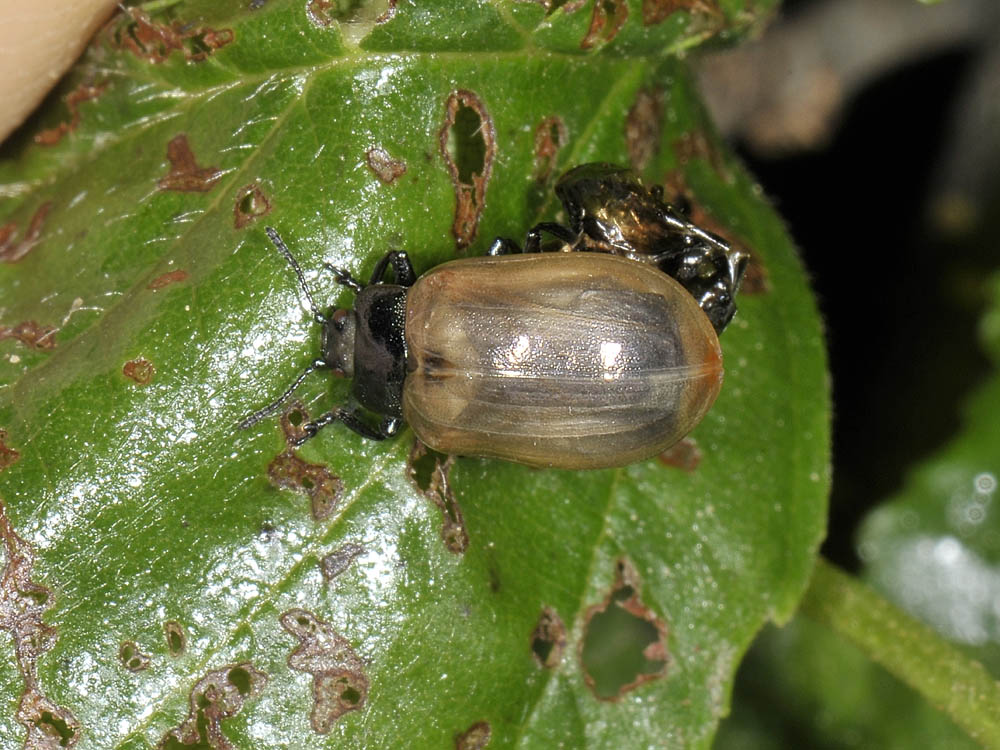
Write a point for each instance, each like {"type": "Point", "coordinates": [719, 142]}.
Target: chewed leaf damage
{"type": "Point", "coordinates": [643, 126]}
{"type": "Point", "coordinates": [12, 249]}
{"type": "Point", "coordinates": [219, 695]}
{"type": "Point", "coordinates": [335, 563]}
{"type": "Point", "coordinates": [32, 334]}
{"type": "Point", "coordinates": [8, 455]}
{"type": "Point", "coordinates": [468, 145]}
{"type": "Point", "coordinates": [324, 489]}
{"type": "Point", "coordinates": [251, 204]}
{"type": "Point", "coordinates": [624, 643]}
{"type": "Point", "coordinates": [475, 737]}
{"type": "Point", "coordinates": [185, 175]}
{"type": "Point", "coordinates": [431, 475]}
{"type": "Point", "coordinates": [140, 369]}
{"type": "Point", "coordinates": [134, 30]}
{"type": "Point", "coordinates": [339, 681]}
{"type": "Point", "coordinates": [23, 603]}
{"type": "Point", "coordinates": [80, 94]}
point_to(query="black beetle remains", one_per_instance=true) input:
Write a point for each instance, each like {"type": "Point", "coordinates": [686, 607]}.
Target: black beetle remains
{"type": "Point", "coordinates": [609, 210]}
{"type": "Point", "coordinates": [558, 359]}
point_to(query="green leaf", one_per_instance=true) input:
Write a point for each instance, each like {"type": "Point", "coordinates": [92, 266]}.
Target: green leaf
{"type": "Point", "coordinates": [934, 549]}
{"type": "Point", "coordinates": [143, 524]}
{"type": "Point", "coordinates": [831, 695]}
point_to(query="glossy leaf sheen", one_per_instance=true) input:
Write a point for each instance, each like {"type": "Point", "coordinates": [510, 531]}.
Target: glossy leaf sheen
{"type": "Point", "coordinates": [935, 548]}
{"type": "Point", "coordinates": [144, 505]}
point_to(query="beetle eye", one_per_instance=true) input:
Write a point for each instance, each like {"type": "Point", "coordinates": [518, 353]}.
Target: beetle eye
{"type": "Point", "coordinates": [706, 269]}
{"type": "Point", "coordinates": [339, 319]}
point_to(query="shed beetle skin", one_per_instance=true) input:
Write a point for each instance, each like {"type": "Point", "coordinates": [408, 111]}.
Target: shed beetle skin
{"type": "Point", "coordinates": [564, 360]}
{"type": "Point", "coordinates": [609, 210]}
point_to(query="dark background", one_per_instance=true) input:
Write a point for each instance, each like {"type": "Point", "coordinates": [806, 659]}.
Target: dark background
{"type": "Point", "coordinates": [900, 293]}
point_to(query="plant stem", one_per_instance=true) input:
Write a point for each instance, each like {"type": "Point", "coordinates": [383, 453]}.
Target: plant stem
{"type": "Point", "coordinates": [915, 654]}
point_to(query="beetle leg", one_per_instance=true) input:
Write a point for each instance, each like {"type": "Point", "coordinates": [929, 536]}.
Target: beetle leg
{"type": "Point", "coordinates": [390, 426]}
{"type": "Point", "coordinates": [504, 246]}
{"type": "Point", "coordinates": [401, 266]}
{"type": "Point", "coordinates": [352, 420]}
{"type": "Point", "coordinates": [533, 240]}
{"type": "Point", "coordinates": [258, 415]}
{"type": "Point", "coordinates": [343, 277]}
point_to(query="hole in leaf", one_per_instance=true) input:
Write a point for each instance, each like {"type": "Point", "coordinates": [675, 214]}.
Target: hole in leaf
{"type": "Point", "coordinates": [466, 144]}
{"type": "Point", "coordinates": [55, 727]}
{"type": "Point", "coordinates": [432, 476]}
{"type": "Point", "coordinates": [350, 694]}
{"type": "Point", "coordinates": [132, 657]}
{"type": "Point", "coordinates": [176, 638]}
{"type": "Point", "coordinates": [240, 679]}
{"type": "Point", "coordinates": [548, 639]}
{"type": "Point", "coordinates": [624, 643]}
{"type": "Point", "coordinates": [251, 204]}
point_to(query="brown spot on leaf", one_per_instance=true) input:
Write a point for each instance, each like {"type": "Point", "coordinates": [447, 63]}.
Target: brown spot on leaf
{"type": "Point", "coordinates": [431, 476]}
{"type": "Point", "coordinates": [250, 205]}
{"type": "Point", "coordinates": [383, 165]}
{"type": "Point", "coordinates": [685, 455]}
{"type": "Point", "coordinates": [548, 640]}
{"type": "Point", "coordinates": [696, 145]}
{"type": "Point", "coordinates": [185, 175]}
{"type": "Point", "coordinates": [8, 455]}
{"type": "Point", "coordinates": [132, 657]}
{"type": "Point", "coordinates": [656, 11]}
{"type": "Point", "coordinates": [23, 603]}
{"type": "Point", "coordinates": [293, 420]}
{"type": "Point", "coordinates": [323, 489]}
{"type": "Point", "coordinates": [624, 643]}
{"type": "Point", "coordinates": [31, 334]}
{"type": "Point", "coordinates": [219, 695]}
{"type": "Point", "coordinates": [173, 631]}
{"type": "Point", "coordinates": [339, 682]}
{"type": "Point", "coordinates": [322, 12]}
{"type": "Point", "coordinates": [166, 279]}
{"type": "Point", "coordinates": [755, 278]}
{"type": "Point", "coordinates": [475, 737]}
{"type": "Point", "coordinates": [340, 560]}
{"type": "Point", "coordinates": [388, 14]}
{"type": "Point", "coordinates": [12, 251]}
{"type": "Point", "coordinates": [608, 19]}
{"type": "Point", "coordinates": [140, 370]}
{"type": "Point", "coordinates": [80, 94]}
{"type": "Point", "coordinates": [550, 136]}
{"type": "Point", "coordinates": [643, 126]}
{"type": "Point", "coordinates": [468, 145]}
{"type": "Point", "coordinates": [154, 42]}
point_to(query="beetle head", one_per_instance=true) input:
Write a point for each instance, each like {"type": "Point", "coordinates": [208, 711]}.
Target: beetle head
{"type": "Point", "coordinates": [338, 341]}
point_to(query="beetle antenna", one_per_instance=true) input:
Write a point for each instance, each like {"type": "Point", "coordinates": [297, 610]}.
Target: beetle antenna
{"type": "Point", "coordinates": [268, 410]}
{"type": "Point", "coordinates": [283, 249]}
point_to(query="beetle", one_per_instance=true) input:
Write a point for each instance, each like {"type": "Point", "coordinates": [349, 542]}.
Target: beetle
{"type": "Point", "coordinates": [610, 210]}
{"type": "Point", "coordinates": [567, 360]}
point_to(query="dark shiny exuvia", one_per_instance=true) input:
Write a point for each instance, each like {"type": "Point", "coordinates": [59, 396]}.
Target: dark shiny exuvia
{"type": "Point", "coordinates": [576, 360]}
{"type": "Point", "coordinates": [608, 209]}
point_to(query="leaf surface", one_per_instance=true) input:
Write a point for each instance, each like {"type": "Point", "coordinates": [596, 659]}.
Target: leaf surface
{"type": "Point", "coordinates": [147, 513]}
